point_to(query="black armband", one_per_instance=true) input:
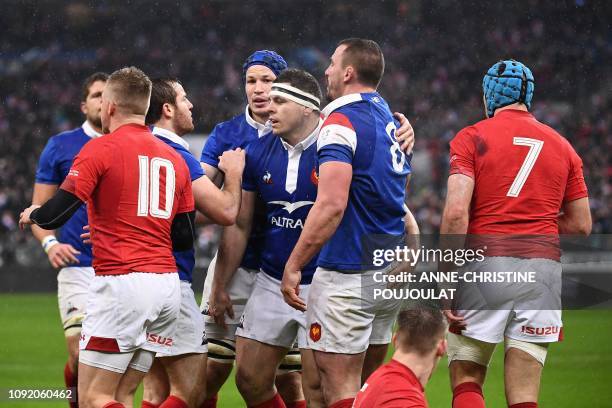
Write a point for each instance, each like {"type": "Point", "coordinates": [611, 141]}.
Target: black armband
{"type": "Point", "coordinates": [57, 211]}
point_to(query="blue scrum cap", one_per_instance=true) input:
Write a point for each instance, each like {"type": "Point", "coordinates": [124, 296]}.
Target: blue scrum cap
{"type": "Point", "coordinates": [505, 83]}
{"type": "Point", "coordinates": [266, 58]}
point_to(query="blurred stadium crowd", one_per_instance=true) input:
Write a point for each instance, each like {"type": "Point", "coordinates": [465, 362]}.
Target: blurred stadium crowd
{"type": "Point", "coordinates": [436, 54]}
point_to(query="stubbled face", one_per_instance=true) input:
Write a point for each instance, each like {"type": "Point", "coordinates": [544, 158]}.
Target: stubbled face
{"type": "Point", "coordinates": [285, 115]}
{"type": "Point", "coordinates": [105, 112]}
{"type": "Point", "coordinates": [259, 81]}
{"type": "Point", "coordinates": [182, 121]}
{"type": "Point", "coordinates": [92, 106]}
{"type": "Point", "coordinates": [334, 74]}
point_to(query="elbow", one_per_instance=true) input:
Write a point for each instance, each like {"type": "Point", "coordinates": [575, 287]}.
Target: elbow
{"type": "Point", "coordinates": [334, 208]}
{"type": "Point", "coordinates": [585, 228]}
{"type": "Point", "coordinates": [227, 217]}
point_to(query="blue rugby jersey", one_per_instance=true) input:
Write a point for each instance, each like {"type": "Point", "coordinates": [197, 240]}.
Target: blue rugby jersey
{"type": "Point", "coordinates": [359, 129]}
{"type": "Point", "coordinates": [285, 177]}
{"type": "Point", "coordinates": [228, 135]}
{"type": "Point", "coordinates": [185, 260]}
{"type": "Point", "coordinates": [53, 166]}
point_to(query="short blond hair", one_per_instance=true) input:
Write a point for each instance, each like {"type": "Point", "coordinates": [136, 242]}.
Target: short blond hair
{"type": "Point", "coordinates": [130, 89]}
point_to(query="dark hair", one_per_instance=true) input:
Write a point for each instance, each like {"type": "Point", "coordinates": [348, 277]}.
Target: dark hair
{"type": "Point", "coordinates": [162, 92]}
{"type": "Point", "coordinates": [301, 80]}
{"type": "Point", "coordinates": [130, 89]}
{"type": "Point", "coordinates": [420, 330]}
{"type": "Point", "coordinates": [98, 76]}
{"type": "Point", "coordinates": [366, 57]}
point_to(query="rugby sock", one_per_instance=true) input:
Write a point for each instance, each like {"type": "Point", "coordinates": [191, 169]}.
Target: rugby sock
{"type": "Point", "coordinates": [71, 381]}
{"type": "Point", "coordinates": [113, 404]}
{"type": "Point", "coordinates": [296, 404]}
{"type": "Point", "coordinates": [210, 402]}
{"type": "Point", "coordinates": [468, 395]}
{"type": "Point", "coordinates": [147, 404]}
{"type": "Point", "coordinates": [524, 405]}
{"type": "Point", "coordinates": [345, 403]}
{"type": "Point", "coordinates": [174, 402]}
{"type": "Point", "coordinates": [275, 402]}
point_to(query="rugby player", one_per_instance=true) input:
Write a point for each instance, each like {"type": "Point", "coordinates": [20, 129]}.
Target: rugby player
{"type": "Point", "coordinates": [362, 180]}
{"type": "Point", "coordinates": [139, 200]}
{"type": "Point", "coordinates": [174, 376]}
{"type": "Point", "coordinates": [419, 343]}
{"type": "Point", "coordinates": [67, 251]}
{"type": "Point", "coordinates": [281, 170]}
{"type": "Point", "coordinates": [260, 69]}
{"type": "Point", "coordinates": [510, 174]}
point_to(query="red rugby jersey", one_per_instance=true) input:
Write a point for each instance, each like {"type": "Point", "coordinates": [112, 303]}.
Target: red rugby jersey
{"type": "Point", "coordinates": [391, 386]}
{"type": "Point", "coordinates": [523, 172]}
{"type": "Point", "coordinates": [133, 184]}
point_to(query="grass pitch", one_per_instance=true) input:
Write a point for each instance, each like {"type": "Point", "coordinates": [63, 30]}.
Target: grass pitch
{"type": "Point", "coordinates": [578, 371]}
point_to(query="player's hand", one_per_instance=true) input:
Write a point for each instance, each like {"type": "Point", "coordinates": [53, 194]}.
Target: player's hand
{"type": "Point", "coordinates": [62, 255]}
{"type": "Point", "coordinates": [219, 304]}
{"type": "Point", "coordinates": [86, 236]}
{"type": "Point", "coordinates": [454, 320]}
{"type": "Point", "coordinates": [405, 133]}
{"type": "Point", "coordinates": [290, 288]}
{"type": "Point", "coordinates": [24, 217]}
{"type": "Point", "coordinates": [231, 162]}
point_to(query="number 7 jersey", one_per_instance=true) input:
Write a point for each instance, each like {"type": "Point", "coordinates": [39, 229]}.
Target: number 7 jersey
{"type": "Point", "coordinates": [523, 172]}
{"type": "Point", "coordinates": [134, 184]}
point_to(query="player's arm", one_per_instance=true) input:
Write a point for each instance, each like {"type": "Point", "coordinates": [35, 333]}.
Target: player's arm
{"type": "Point", "coordinates": [456, 215]}
{"type": "Point", "coordinates": [231, 250]}
{"type": "Point", "coordinates": [322, 221]}
{"type": "Point", "coordinates": [576, 217]}
{"type": "Point", "coordinates": [221, 206]}
{"type": "Point", "coordinates": [182, 232]}
{"type": "Point", "coordinates": [213, 174]}
{"type": "Point", "coordinates": [54, 213]}
{"type": "Point", "coordinates": [59, 254]}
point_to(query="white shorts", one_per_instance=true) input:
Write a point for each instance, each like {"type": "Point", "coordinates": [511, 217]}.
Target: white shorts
{"type": "Point", "coordinates": [189, 336]}
{"type": "Point", "coordinates": [529, 312]}
{"type": "Point", "coordinates": [239, 290]}
{"type": "Point", "coordinates": [131, 311]}
{"type": "Point", "coordinates": [269, 320]}
{"type": "Point", "coordinates": [343, 317]}
{"type": "Point", "coordinates": [72, 288]}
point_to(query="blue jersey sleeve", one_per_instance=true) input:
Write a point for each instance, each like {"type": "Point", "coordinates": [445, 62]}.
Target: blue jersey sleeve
{"type": "Point", "coordinates": [212, 149]}
{"type": "Point", "coordinates": [195, 170]}
{"type": "Point", "coordinates": [337, 140]}
{"type": "Point", "coordinates": [48, 172]}
{"type": "Point", "coordinates": [249, 178]}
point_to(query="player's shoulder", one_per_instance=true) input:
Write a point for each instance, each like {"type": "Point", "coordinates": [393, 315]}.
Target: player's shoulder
{"type": "Point", "coordinates": [261, 144]}
{"type": "Point", "coordinates": [69, 136]}
{"type": "Point", "coordinates": [231, 125]}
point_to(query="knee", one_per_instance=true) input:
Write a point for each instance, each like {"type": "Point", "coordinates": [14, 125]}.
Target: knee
{"type": "Point", "coordinates": [290, 386]}
{"type": "Point", "coordinates": [249, 383]}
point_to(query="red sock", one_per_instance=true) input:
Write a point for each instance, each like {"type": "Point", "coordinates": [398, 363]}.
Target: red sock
{"type": "Point", "coordinates": [275, 402]}
{"type": "Point", "coordinates": [210, 402]}
{"type": "Point", "coordinates": [345, 403]}
{"type": "Point", "coordinates": [173, 402]}
{"type": "Point", "coordinates": [296, 404]}
{"type": "Point", "coordinates": [468, 395]}
{"type": "Point", "coordinates": [71, 381]}
{"type": "Point", "coordinates": [113, 404]}
{"type": "Point", "coordinates": [147, 404]}
{"type": "Point", "coordinates": [524, 405]}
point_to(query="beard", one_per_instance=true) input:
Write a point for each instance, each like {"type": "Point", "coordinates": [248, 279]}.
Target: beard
{"type": "Point", "coordinates": [95, 120]}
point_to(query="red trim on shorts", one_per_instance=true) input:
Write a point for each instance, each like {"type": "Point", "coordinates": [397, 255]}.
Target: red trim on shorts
{"type": "Point", "coordinates": [455, 330]}
{"type": "Point", "coordinates": [102, 344]}
{"type": "Point", "coordinates": [560, 334]}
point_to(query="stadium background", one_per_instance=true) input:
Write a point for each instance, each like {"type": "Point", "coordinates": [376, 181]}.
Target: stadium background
{"type": "Point", "coordinates": [436, 54]}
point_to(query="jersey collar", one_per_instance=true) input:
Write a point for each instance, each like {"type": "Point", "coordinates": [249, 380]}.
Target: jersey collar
{"type": "Point", "coordinates": [261, 129]}
{"type": "Point", "coordinates": [306, 143]}
{"type": "Point", "coordinates": [341, 101]}
{"type": "Point", "coordinates": [89, 130]}
{"type": "Point", "coordinates": [171, 136]}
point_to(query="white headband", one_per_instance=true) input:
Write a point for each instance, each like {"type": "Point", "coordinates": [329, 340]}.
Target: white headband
{"type": "Point", "coordinates": [296, 95]}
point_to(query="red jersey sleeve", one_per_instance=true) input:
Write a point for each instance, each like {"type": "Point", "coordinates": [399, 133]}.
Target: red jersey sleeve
{"type": "Point", "coordinates": [87, 169]}
{"type": "Point", "coordinates": [462, 149]}
{"type": "Point", "coordinates": [576, 187]}
{"type": "Point", "coordinates": [186, 202]}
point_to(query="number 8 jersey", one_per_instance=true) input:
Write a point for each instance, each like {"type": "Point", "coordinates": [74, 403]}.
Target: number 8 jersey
{"type": "Point", "coordinates": [133, 184]}
{"type": "Point", "coordinates": [359, 130]}
{"type": "Point", "coordinates": [523, 172]}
